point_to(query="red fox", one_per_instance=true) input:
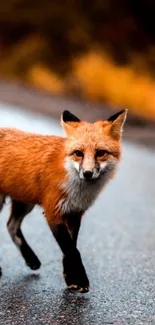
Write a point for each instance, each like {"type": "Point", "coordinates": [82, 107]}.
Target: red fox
{"type": "Point", "coordinates": [62, 174]}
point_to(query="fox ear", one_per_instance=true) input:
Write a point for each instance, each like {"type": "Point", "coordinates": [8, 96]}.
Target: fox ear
{"type": "Point", "coordinates": [69, 122]}
{"type": "Point", "coordinates": [117, 122]}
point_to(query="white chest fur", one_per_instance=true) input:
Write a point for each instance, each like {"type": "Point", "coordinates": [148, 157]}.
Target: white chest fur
{"type": "Point", "coordinates": [80, 193]}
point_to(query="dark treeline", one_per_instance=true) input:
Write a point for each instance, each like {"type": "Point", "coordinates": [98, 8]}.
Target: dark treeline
{"type": "Point", "coordinates": [71, 27]}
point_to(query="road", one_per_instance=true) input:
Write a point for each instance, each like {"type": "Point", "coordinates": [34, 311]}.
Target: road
{"type": "Point", "coordinates": [117, 242]}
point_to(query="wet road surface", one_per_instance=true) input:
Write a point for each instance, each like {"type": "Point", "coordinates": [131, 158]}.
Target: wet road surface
{"type": "Point", "coordinates": [117, 243]}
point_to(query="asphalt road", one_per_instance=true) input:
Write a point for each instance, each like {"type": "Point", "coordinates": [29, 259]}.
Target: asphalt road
{"type": "Point", "coordinates": [117, 242]}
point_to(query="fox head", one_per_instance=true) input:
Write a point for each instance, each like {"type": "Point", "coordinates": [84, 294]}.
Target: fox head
{"type": "Point", "coordinates": [92, 149]}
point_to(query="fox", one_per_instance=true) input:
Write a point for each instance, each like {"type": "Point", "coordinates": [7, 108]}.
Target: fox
{"type": "Point", "coordinates": [63, 175]}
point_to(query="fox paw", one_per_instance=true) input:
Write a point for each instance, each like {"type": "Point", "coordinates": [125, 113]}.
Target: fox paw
{"type": "Point", "coordinates": [33, 263]}
{"type": "Point", "coordinates": [77, 282]}
{"type": "Point", "coordinates": [76, 287]}
{"type": "Point", "coordinates": [75, 275]}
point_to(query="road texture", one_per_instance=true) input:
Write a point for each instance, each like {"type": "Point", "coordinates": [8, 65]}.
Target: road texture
{"type": "Point", "coordinates": [117, 243]}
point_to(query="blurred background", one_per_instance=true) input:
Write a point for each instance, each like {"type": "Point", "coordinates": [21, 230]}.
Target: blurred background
{"type": "Point", "coordinates": [100, 51]}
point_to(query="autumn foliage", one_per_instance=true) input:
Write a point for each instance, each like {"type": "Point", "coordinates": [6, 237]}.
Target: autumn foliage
{"type": "Point", "coordinates": [101, 50]}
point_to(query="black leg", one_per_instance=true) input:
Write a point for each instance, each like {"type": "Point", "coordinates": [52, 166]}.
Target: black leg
{"type": "Point", "coordinates": [19, 211]}
{"type": "Point", "coordinates": [74, 272]}
{"type": "Point", "coordinates": [73, 222]}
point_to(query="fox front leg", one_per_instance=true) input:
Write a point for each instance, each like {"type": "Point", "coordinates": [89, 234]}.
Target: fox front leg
{"type": "Point", "coordinates": [73, 222]}
{"type": "Point", "coordinates": [75, 274]}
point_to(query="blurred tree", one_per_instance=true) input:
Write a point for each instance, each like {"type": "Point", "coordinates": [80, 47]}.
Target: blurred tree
{"type": "Point", "coordinates": [71, 27]}
{"type": "Point", "coordinates": [81, 47]}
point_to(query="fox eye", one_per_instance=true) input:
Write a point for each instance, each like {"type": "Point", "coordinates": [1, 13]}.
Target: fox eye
{"type": "Point", "coordinates": [78, 153]}
{"type": "Point", "coordinates": [100, 153]}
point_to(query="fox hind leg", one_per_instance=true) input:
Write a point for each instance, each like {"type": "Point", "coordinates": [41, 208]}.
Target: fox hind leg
{"type": "Point", "coordinates": [18, 212]}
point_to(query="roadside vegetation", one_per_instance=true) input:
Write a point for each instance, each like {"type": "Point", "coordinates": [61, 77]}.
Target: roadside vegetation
{"type": "Point", "coordinates": [101, 50]}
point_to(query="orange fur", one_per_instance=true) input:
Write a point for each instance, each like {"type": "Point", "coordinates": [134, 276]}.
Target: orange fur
{"type": "Point", "coordinates": [28, 166]}
{"type": "Point", "coordinates": [32, 166]}
{"type": "Point", "coordinates": [64, 176]}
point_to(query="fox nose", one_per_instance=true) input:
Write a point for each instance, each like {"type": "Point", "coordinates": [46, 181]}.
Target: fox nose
{"type": "Point", "coordinates": [88, 174]}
